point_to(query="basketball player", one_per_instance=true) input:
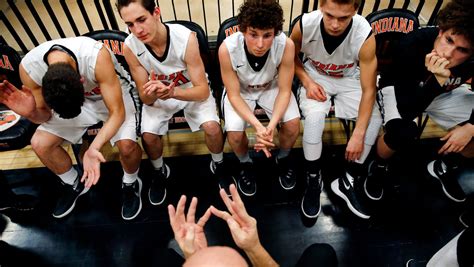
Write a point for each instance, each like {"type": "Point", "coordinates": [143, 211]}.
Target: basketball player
{"type": "Point", "coordinates": [257, 68]}
{"type": "Point", "coordinates": [165, 63]}
{"type": "Point", "coordinates": [65, 92]}
{"type": "Point", "coordinates": [335, 41]}
{"type": "Point", "coordinates": [428, 72]}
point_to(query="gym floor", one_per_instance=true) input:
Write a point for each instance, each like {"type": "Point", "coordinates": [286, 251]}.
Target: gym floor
{"type": "Point", "coordinates": [414, 219]}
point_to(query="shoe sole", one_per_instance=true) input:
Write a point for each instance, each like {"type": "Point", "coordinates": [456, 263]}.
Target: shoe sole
{"type": "Point", "coordinates": [430, 168]}
{"type": "Point", "coordinates": [140, 184]}
{"type": "Point", "coordinates": [465, 224]}
{"type": "Point", "coordinates": [365, 187]}
{"type": "Point", "coordinates": [286, 188]}
{"type": "Point", "coordinates": [85, 190]}
{"type": "Point", "coordinates": [335, 189]}
{"type": "Point", "coordinates": [247, 194]}
{"type": "Point", "coordinates": [319, 210]}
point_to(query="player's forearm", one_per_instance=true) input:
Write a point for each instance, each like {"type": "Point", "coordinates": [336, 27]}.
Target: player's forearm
{"type": "Point", "coordinates": [195, 93]}
{"type": "Point", "coordinates": [260, 257]}
{"type": "Point", "coordinates": [109, 129]}
{"type": "Point", "coordinates": [302, 75]}
{"type": "Point", "coordinates": [365, 112]}
{"type": "Point", "coordinates": [39, 115]}
{"type": "Point", "coordinates": [241, 107]}
{"type": "Point", "coordinates": [279, 108]}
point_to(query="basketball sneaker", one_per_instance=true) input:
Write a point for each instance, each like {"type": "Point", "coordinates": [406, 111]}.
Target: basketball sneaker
{"type": "Point", "coordinates": [373, 184]}
{"type": "Point", "coordinates": [67, 199]}
{"type": "Point", "coordinates": [348, 188]}
{"type": "Point", "coordinates": [246, 179]}
{"type": "Point", "coordinates": [131, 199]}
{"type": "Point", "coordinates": [157, 191]}
{"type": "Point", "coordinates": [311, 203]}
{"type": "Point", "coordinates": [448, 179]}
{"type": "Point", "coordinates": [286, 173]}
{"type": "Point", "coordinates": [224, 180]}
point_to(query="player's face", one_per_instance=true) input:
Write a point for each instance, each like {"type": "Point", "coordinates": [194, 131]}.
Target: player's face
{"type": "Point", "coordinates": [140, 22]}
{"type": "Point", "coordinates": [454, 47]}
{"type": "Point", "coordinates": [259, 41]}
{"type": "Point", "coordinates": [336, 17]}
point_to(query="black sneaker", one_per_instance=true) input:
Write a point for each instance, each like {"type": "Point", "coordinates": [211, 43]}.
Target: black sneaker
{"type": "Point", "coordinates": [311, 203]}
{"type": "Point", "coordinates": [131, 199]}
{"type": "Point", "coordinates": [373, 184]}
{"type": "Point", "coordinates": [448, 179]}
{"type": "Point", "coordinates": [286, 174]}
{"type": "Point", "coordinates": [246, 179]}
{"type": "Point", "coordinates": [346, 188]}
{"type": "Point", "coordinates": [224, 180]}
{"type": "Point", "coordinates": [69, 195]}
{"type": "Point", "coordinates": [157, 192]}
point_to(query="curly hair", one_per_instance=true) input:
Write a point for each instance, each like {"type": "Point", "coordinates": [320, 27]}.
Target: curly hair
{"type": "Point", "coordinates": [459, 16]}
{"type": "Point", "coordinates": [149, 5]}
{"type": "Point", "coordinates": [261, 14]}
{"type": "Point", "coordinates": [356, 3]}
{"type": "Point", "coordinates": [63, 91]}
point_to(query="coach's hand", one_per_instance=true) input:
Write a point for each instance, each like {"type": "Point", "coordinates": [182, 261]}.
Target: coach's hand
{"type": "Point", "coordinates": [91, 163]}
{"type": "Point", "coordinates": [315, 91]}
{"type": "Point", "coordinates": [20, 101]}
{"type": "Point", "coordinates": [189, 234]}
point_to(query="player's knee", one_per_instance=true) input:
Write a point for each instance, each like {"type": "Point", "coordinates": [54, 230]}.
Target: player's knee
{"type": "Point", "coordinates": [292, 128]}
{"type": "Point", "coordinates": [235, 138]}
{"type": "Point", "coordinates": [212, 128]}
{"type": "Point", "coordinates": [150, 139]}
{"type": "Point", "coordinates": [314, 127]}
{"type": "Point", "coordinates": [400, 134]}
{"type": "Point", "coordinates": [127, 148]}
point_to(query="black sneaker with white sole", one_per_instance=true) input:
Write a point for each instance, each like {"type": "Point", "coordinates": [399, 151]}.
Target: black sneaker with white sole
{"type": "Point", "coordinates": [348, 188]}
{"type": "Point", "coordinates": [311, 203]}
{"type": "Point", "coordinates": [131, 199]}
{"type": "Point", "coordinates": [286, 173]}
{"type": "Point", "coordinates": [68, 197]}
{"type": "Point", "coordinates": [157, 191]}
{"type": "Point", "coordinates": [223, 178]}
{"type": "Point", "coordinates": [246, 179]}
{"type": "Point", "coordinates": [373, 184]}
{"type": "Point", "coordinates": [448, 179]}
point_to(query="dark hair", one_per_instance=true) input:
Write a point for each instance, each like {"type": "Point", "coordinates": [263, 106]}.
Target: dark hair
{"type": "Point", "coordinates": [149, 5]}
{"type": "Point", "coordinates": [261, 14]}
{"type": "Point", "coordinates": [356, 3]}
{"type": "Point", "coordinates": [63, 91]}
{"type": "Point", "coordinates": [458, 15]}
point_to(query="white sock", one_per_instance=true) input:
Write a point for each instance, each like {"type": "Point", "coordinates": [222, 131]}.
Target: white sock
{"type": "Point", "coordinates": [283, 153]}
{"type": "Point", "coordinates": [69, 177]}
{"type": "Point", "coordinates": [312, 151]}
{"type": "Point", "coordinates": [244, 158]}
{"type": "Point", "coordinates": [157, 163]}
{"type": "Point", "coordinates": [217, 157]}
{"type": "Point", "coordinates": [129, 178]}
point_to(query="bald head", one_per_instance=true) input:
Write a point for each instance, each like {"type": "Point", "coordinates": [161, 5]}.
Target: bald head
{"type": "Point", "coordinates": [216, 257]}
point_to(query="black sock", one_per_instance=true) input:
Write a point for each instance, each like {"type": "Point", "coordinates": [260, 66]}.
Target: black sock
{"type": "Point", "coordinates": [313, 166]}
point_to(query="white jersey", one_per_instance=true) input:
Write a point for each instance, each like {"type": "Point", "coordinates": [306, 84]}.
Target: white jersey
{"type": "Point", "coordinates": [344, 60]}
{"type": "Point", "coordinates": [84, 51]}
{"type": "Point", "coordinates": [171, 66]}
{"type": "Point", "coordinates": [253, 82]}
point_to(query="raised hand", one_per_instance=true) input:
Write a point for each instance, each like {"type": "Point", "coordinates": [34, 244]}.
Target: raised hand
{"type": "Point", "coordinates": [189, 234]}
{"type": "Point", "coordinates": [438, 66]}
{"type": "Point", "coordinates": [20, 101]}
{"type": "Point", "coordinates": [91, 163]}
{"type": "Point", "coordinates": [243, 227]}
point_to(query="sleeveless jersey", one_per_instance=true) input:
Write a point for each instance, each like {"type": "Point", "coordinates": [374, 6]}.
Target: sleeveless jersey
{"type": "Point", "coordinates": [344, 60]}
{"type": "Point", "coordinates": [171, 66]}
{"type": "Point", "coordinates": [253, 82]}
{"type": "Point", "coordinates": [84, 51]}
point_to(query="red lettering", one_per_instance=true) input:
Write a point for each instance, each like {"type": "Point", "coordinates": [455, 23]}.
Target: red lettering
{"type": "Point", "coordinates": [5, 63]}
